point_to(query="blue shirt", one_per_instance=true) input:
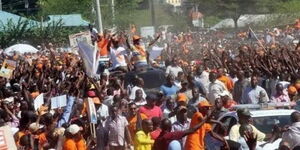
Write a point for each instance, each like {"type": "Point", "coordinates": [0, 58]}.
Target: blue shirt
{"type": "Point", "coordinates": [66, 115]}
{"type": "Point", "coordinates": [169, 91]}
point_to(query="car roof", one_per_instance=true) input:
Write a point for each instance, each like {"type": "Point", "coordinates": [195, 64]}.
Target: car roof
{"type": "Point", "coordinates": [263, 113]}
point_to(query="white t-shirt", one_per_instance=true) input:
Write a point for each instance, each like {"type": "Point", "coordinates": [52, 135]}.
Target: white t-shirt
{"type": "Point", "coordinates": [133, 91]}
{"type": "Point", "coordinates": [117, 57]}
{"type": "Point", "coordinates": [173, 70]}
{"type": "Point", "coordinates": [102, 111]}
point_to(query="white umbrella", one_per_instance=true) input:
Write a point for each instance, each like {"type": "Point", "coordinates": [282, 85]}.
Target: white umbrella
{"type": "Point", "coordinates": [21, 49]}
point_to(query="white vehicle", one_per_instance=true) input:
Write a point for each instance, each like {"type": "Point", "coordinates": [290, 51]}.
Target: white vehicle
{"type": "Point", "coordinates": [263, 120]}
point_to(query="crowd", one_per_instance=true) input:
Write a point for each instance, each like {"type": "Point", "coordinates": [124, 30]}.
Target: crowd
{"type": "Point", "coordinates": [206, 76]}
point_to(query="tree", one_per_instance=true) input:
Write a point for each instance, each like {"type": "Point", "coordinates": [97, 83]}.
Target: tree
{"type": "Point", "coordinates": [236, 8]}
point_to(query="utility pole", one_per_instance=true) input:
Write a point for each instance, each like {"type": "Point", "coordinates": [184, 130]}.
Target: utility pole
{"type": "Point", "coordinates": [151, 3]}
{"type": "Point", "coordinates": [0, 5]}
{"type": "Point", "coordinates": [113, 12]}
{"type": "Point", "coordinates": [99, 19]}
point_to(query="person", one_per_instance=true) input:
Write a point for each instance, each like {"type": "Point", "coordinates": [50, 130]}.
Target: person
{"type": "Point", "coordinates": [195, 141]}
{"type": "Point", "coordinates": [281, 95]}
{"type": "Point", "coordinates": [254, 93]}
{"type": "Point", "coordinates": [174, 68]}
{"type": "Point", "coordinates": [292, 135]}
{"type": "Point", "coordinates": [182, 123]}
{"type": "Point", "coordinates": [193, 103]}
{"type": "Point", "coordinates": [134, 119]}
{"type": "Point", "coordinates": [74, 139]}
{"type": "Point", "coordinates": [179, 79]}
{"type": "Point", "coordinates": [219, 109]}
{"type": "Point", "coordinates": [246, 130]}
{"type": "Point", "coordinates": [143, 139]}
{"type": "Point", "coordinates": [244, 116]}
{"type": "Point", "coordinates": [150, 110]}
{"type": "Point", "coordinates": [139, 98]}
{"type": "Point", "coordinates": [226, 80]}
{"type": "Point", "coordinates": [169, 89]}
{"type": "Point", "coordinates": [118, 55]}
{"type": "Point", "coordinates": [138, 85]}
{"type": "Point", "coordinates": [117, 128]}
{"type": "Point", "coordinates": [181, 99]}
{"type": "Point", "coordinates": [215, 88]}
{"type": "Point", "coordinates": [202, 77]}
{"type": "Point", "coordinates": [227, 101]}
{"type": "Point", "coordinates": [169, 109]}
{"type": "Point", "coordinates": [166, 136]}
{"type": "Point", "coordinates": [239, 86]}
{"type": "Point", "coordinates": [156, 128]}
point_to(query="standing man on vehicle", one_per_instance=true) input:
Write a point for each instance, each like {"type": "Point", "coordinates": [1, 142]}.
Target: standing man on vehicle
{"type": "Point", "coordinates": [292, 135]}
{"type": "Point", "coordinates": [244, 116]}
{"type": "Point", "coordinates": [254, 93]}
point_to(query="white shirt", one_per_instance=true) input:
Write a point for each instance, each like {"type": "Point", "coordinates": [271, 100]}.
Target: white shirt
{"type": "Point", "coordinates": [178, 84]}
{"type": "Point", "coordinates": [117, 57]}
{"type": "Point", "coordinates": [173, 70]}
{"type": "Point", "coordinates": [254, 96]}
{"type": "Point", "coordinates": [214, 90]}
{"type": "Point", "coordinates": [133, 91]}
{"type": "Point", "coordinates": [203, 79]}
{"type": "Point", "coordinates": [102, 111]}
{"type": "Point", "coordinates": [292, 136]}
{"type": "Point", "coordinates": [166, 113]}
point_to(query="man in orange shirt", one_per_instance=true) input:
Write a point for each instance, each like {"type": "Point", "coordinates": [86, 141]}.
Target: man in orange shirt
{"type": "Point", "coordinates": [226, 80]}
{"type": "Point", "coordinates": [74, 139]}
{"type": "Point", "coordinates": [102, 44]}
{"type": "Point", "coordinates": [195, 141]}
{"type": "Point", "coordinates": [134, 119]}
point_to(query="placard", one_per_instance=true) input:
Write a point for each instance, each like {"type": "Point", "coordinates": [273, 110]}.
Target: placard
{"type": "Point", "coordinates": [38, 101]}
{"type": "Point", "coordinates": [91, 111]}
{"type": "Point", "coordinates": [58, 101]}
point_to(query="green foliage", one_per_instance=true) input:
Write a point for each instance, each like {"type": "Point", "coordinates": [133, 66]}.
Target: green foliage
{"type": "Point", "coordinates": [24, 32]}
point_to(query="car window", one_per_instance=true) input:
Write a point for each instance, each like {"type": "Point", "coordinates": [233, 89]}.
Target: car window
{"type": "Point", "coordinates": [228, 122]}
{"type": "Point", "coordinates": [266, 124]}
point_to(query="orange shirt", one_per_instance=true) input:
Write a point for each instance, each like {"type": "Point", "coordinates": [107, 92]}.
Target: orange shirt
{"type": "Point", "coordinates": [102, 45]}
{"type": "Point", "coordinates": [69, 144]}
{"type": "Point", "coordinates": [132, 125]}
{"type": "Point", "coordinates": [195, 141]}
{"type": "Point", "coordinates": [227, 82]}
{"type": "Point", "coordinates": [18, 137]}
{"type": "Point", "coordinates": [81, 144]}
{"type": "Point", "coordinates": [42, 139]}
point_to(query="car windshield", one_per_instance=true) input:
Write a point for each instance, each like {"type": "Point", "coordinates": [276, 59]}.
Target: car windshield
{"type": "Point", "coordinates": [265, 124]}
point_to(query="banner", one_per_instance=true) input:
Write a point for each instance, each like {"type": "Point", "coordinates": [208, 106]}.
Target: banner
{"type": "Point", "coordinates": [7, 68]}
{"type": "Point", "coordinates": [155, 52]}
{"type": "Point", "coordinates": [38, 101]}
{"type": "Point", "coordinates": [92, 113]}
{"type": "Point", "coordinates": [88, 54]}
{"type": "Point", "coordinates": [7, 141]}
{"type": "Point", "coordinates": [147, 31]}
{"type": "Point", "coordinates": [58, 101]}
{"type": "Point", "coordinates": [80, 37]}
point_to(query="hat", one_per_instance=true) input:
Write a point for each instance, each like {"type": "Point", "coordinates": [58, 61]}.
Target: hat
{"type": "Point", "coordinates": [181, 108]}
{"type": "Point", "coordinates": [244, 112]}
{"type": "Point", "coordinates": [73, 129]}
{"type": "Point", "coordinates": [33, 127]}
{"type": "Point", "coordinates": [204, 103]}
{"type": "Point", "coordinates": [136, 37]}
{"type": "Point", "coordinates": [181, 97]}
{"type": "Point", "coordinates": [292, 90]}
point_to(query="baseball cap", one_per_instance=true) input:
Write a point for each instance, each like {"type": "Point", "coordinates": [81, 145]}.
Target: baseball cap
{"type": "Point", "coordinates": [73, 129]}
{"type": "Point", "coordinates": [33, 127]}
{"type": "Point", "coordinates": [204, 103]}
{"type": "Point", "coordinates": [244, 112]}
{"type": "Point", "coordinates": [181, 97]}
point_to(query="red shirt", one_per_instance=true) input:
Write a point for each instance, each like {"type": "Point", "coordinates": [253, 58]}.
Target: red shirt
{"type": "Point", "coordinates": [164, 139]}
{"type": "Point", "coordinates": [154, 112]}
{"type": "Point", "coordinates": [154, 134]}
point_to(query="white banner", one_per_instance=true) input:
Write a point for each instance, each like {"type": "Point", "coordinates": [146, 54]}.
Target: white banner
{"type": "Point", "coordinates": [88, 54]}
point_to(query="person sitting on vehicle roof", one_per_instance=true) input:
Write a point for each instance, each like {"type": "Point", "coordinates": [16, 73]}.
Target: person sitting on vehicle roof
{"type": "Point", "coordinates": [244, 116]}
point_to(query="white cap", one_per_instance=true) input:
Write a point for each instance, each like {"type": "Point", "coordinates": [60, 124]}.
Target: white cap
{"type": "Point", "coordinates": [9, 100]}
{"type": "Point", "coordinates": [73, 129]}
{"type": "Point", "coordinates": [33, 127]}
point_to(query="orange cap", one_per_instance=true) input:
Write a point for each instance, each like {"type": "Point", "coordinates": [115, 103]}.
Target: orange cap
{"type": "Point", "coordinates": [181, 97]}
{"type": "Point", "coordinates": [204, 103]}
{"type": "Point", "coordinates": [136, 37]}
{"type": "Point", "coordinates": [297, 84]}
{"type": "Point", "coordinates": [292, 90]}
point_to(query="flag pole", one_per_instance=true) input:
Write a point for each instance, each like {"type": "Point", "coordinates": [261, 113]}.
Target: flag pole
{"type": "Point", "coordinates": [258, 39]}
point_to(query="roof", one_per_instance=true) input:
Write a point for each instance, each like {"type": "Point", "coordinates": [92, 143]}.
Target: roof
{"type": "Point", "coordinates": [263, 113]}
{"type": "Point", "coordinates": [70, 20]}
{"type": "Point", "coordinates": [5, 17]}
